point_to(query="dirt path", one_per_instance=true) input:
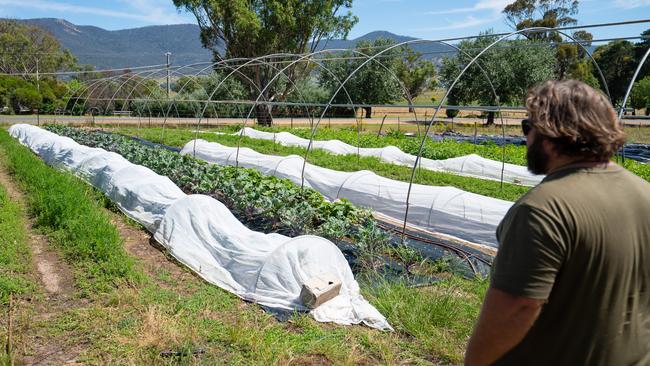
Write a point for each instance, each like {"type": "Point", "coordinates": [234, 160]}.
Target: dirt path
{"type": "Point", "coordinates": [56, 279]}
{"type": "Point", "coordinates": [155, 261]}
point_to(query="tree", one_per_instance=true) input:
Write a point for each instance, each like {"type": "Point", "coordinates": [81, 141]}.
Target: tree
{"type": "Point", "coordinates": [374, 83]}
{"type": "Point", "coordinates": [513, 67]}
{"type": "Point", "coordinates": [640, 97]}
{"type": "Point", "coordinates": [24, 47]}
{"type": "Point", "coordinates": [640, 50]}
{"type": "Point", "coordinates": [572, 62]}
{"type": "Point", "coordinates": [253, 28]}
{"type": "Point", "coordinates": [416, 74]}
{"type": "Point", "coordinates": [25, 50]}
{"type": "Point", "coordinates": [541, 13]}
{"type": "Point", "coordinates": [617, 62]}
{"type": "Point", "coordinates": [27, 97]}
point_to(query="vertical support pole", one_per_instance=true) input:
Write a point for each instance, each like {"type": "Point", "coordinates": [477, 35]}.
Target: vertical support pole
{"type": "Point", "coordinates": [168, 55]}
{"type": "Point", "coordinates": [162, 136]}
{"type": "Point", "coordinates": [381, 125]}
{"type": "Point", "coordinates": [38, 87]}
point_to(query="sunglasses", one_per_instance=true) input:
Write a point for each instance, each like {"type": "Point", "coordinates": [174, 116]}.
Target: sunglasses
{"type": "Point", "coordinates": [525, 127]}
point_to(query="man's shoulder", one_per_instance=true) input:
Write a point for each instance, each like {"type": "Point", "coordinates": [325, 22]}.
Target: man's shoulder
{"type": "Point", "coordinates": [579, 184]}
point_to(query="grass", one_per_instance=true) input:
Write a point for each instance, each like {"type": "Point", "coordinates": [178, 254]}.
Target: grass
{"type": "Point", "coordinates": [433, 150]}
{"type": "Point", "coordinates": [69, 212]}
{"type": "Point", "coordinates": [179, 137]}
{"type": "Point", "coordinates": [15, 266]}
{"type": "Point", "coordinates": [133, 322]}
{"type": "Point", "coordinates": [134, 326]}
{"type": "Point", "coordinates": [15, 256]}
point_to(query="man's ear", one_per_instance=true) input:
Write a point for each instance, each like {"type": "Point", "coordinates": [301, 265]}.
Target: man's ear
{"type": "Point", "coordinates": [549, 147]}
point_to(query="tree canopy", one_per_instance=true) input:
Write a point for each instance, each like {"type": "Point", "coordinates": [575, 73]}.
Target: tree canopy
{"type": "Point", "coordinates": [641, 95]}
{"type": "Point", "coordinates": [541, 13]}
{"type": "Point", "coordinates": [375, 83]}
{"type": "Point", "coordinates": [24, 50]}
{"type": "Point", "coordinates": [416, 74]}
{"type": "Point", "coordinates": [22, 46]}
{"type": "Point", "coordinates": [618, 63]}
{"type": "Point", "coordinates": [253, 28]}
{"type": "Point", "coordinates": [513, 67]}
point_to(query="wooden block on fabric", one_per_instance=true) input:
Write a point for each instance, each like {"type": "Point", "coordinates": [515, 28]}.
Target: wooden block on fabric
{"type": "Point", "coordinates": [316, 291]}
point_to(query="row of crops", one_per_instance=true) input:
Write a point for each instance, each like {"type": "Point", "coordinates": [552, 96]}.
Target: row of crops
{"type": "Point", "coordinates": [202, 233]}
{"type": "Point", "coordinates": [272, 205]}
{"type": "Point", "coordinates": [435, 321]}
{"type": "Point", "coordinates": [435, 149]}
{"type": "Point", "coordinates": [469, 165]}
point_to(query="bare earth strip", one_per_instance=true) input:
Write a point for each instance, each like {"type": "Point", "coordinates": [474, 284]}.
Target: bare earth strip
{"type": "Point", "coordinates": [140, 244]}
{"type": "Point", "coordinates": [56, 278]}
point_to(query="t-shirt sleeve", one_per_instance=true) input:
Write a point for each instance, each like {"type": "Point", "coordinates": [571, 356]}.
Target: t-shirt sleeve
{"type": "Point", "coordinates": [531, 252]}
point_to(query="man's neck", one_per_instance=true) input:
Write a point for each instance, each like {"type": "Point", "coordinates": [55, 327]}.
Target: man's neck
{"type": "Point", "coordinates": [563, 162]}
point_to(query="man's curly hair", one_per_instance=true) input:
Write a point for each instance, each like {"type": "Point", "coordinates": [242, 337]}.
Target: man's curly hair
{"type": "Point", "coordinates": [579, 120]}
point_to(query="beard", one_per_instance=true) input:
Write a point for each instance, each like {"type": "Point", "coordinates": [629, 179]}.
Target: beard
{"type": "Point", "coordinates": [536, 157]}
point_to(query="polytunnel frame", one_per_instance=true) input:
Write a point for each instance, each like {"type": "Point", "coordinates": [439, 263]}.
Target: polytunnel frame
{"type": "Point", "coordinates": [194, 78]}
{"type": "Point", "coordinates": [210, 65]}
{"type": "Point", "coordinates": [98, 82]}
{"type": "Point", "coordinates": [128, 97]}
{"type": "Point", "coordinates": [256, 59]}
{"type": "Point", "coordinates": [171, 102]}
{"type": "Point", "coordinates": [234, 70]}
{"type": "Point", "coordinates": [451, 87]}
{"type": "Point", "coordinates": [81, 91]}
{"type": "Point", "coordinates": [70, 93]}
{"type": "Point", "coordinates": [342, 85]}
{"type": "Point", "coordinates": [309, 58]}
{"type": "Point", "coordinates": [628, 92]}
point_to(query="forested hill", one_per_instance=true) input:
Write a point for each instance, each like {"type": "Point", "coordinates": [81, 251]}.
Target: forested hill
{"type": "Point", "coordinates": [129, 47]}
{"type": "Point", "coordinates": [147, 45]}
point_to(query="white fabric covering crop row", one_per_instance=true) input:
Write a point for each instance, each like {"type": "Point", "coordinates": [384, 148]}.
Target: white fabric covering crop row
{"type": "Point", "coordinates": [202, 233]}
{"type": "Point", "coordinates": [447, 210]}
{"type": "Point", "coordinates": [469, 165]}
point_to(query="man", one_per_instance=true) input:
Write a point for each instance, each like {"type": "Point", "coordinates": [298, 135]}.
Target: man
{"type": "Point", "coordinates": [571, 281]}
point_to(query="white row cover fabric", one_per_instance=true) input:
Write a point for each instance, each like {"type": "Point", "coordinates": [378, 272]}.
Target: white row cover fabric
{"type": "Point", "coordinates": [469, 165]}
{"type": "Point", "coordinates": [447, 210]}
{"type": "Point", "coordinates": [202, 233]}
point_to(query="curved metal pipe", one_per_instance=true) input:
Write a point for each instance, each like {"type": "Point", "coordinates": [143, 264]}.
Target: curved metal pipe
{"type": "Point", "coordinates": [417, 160]}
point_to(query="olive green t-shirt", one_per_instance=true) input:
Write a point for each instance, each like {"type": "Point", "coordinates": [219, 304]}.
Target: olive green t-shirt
{"type": "Point", "coordinates": [581, 241]}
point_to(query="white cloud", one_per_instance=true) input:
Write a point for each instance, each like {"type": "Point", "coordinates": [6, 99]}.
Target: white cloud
{"type": "Point", "coordinates": [146, 11]}
{"type": "Point", "coordinates": [494, 6]}
{"type": "Point", "coordinates": [629, 4]}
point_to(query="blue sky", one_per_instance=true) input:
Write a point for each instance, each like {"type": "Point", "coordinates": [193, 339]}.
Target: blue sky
{"type": "Point", "coordinates": [430, 19]}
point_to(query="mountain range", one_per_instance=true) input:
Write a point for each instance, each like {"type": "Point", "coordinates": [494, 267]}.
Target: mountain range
{"type": "Point", "coordinates": [104, 49]}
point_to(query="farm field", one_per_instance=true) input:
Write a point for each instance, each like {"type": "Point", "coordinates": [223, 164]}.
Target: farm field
{"type": "Point", "coordinates": [638, 131]}
{"type": "Point", "coordinates": [432, 150]}
{"type": "Point", "coordinates": [124, 302]}
{"type": "Point", "coordinates": [348, 163]}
